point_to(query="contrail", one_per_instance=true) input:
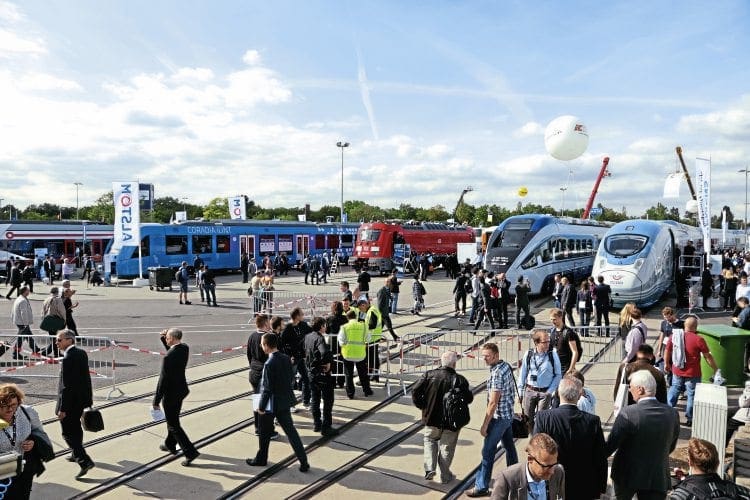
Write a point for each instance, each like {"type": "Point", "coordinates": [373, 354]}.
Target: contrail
{"type": "Point", "coordinates": [364, 89]}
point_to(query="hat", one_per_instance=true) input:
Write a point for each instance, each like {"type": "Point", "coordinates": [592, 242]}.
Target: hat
{"type": "Point", "coordinates": [362, 301]}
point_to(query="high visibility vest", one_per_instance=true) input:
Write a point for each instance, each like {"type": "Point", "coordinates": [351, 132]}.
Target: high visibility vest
{"type": "Point", "coordinates": [376, 333]}
{"type": "Point", "coordinates": [354, 348]}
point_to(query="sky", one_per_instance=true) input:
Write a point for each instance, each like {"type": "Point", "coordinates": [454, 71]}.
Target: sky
{"type": "Point", "coordinates": [210, 99]}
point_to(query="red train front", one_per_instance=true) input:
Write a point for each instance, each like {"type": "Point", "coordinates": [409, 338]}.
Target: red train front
{"type": "Point", "coordinates": [376, 240]}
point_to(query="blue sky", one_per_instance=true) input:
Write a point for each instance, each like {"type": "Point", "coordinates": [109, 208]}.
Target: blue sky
{"type": "Point", "coordinates": [209, 99]}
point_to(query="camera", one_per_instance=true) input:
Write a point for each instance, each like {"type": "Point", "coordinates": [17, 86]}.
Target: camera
{"type": "Point", "coordinates": [533, 378]}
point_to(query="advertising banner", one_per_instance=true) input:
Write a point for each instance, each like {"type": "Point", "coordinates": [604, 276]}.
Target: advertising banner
{"type": "Point", "coordinates": [703, 193]}
{"type": "Point", "coordinates": [672, 186]}
{"type": "Point", "coordinates": [236, 207]}
{"type": "Point", "coordinates": [127, 215]}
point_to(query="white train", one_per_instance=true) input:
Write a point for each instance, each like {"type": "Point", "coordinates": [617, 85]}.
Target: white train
{"type": "Point", "coordinates": [538, 246]}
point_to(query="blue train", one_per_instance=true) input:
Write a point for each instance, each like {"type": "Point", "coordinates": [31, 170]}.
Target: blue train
{"type": "Point", "coordinates": [638, 259]}
{"type": "Point", "coordinates": [538, 246]}
{"type": "Point", "coordinates": [221, 243]}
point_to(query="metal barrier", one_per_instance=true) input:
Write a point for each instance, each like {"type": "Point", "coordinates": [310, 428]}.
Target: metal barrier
{"type": "Point", "coordinates": [283, 301]}
{"type": "Point", "coordinates": [378, 360]}
{"type": "Point", "coordinates": [40, 360]}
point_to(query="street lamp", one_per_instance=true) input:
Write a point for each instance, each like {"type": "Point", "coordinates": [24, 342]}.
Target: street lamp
{"type": "Point", "coordinates": [78, 184]}
{"type": "Point", "coordinates": [342, 145]}
{"type": "Point", "coordinates": [744, 221]}
{"type": "Point", "coordinates": [562, 210]}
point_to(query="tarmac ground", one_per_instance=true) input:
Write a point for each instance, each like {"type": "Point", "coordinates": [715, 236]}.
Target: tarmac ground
{"type": "Point", "coordinates": [378, 451]}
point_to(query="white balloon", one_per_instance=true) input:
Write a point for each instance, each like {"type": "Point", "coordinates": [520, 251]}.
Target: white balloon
{"type": "Point", "coordinates": [566, 138]}
{"type": "Point", "coordinates": [691, 206]}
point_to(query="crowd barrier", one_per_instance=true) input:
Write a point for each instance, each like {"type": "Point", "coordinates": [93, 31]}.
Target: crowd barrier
{"type": "Point", "coordinates": [378, 361]}
{"type": "Point", "coordinates": [36, 357]}
{"type": "Point", "coordinates": [282, 301]}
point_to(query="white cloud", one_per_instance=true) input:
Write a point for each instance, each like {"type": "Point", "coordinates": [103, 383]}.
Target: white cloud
{"type": "Point", "coordinates": [251, 57]}
{"type": "Point", "coordinates": [44, 81]}
{"type": "Point", "coordinates": [10, 13]}
{"type": "Point", "coordinates": [731, 123]}
{"type": "Point", "coordinates": [12, 44]}
{"type": "Point", "coordinates": [251, 86]}
{"type": "Point", "coordinates": [435, 151]}
{"type": "Point", "coordinates": [529, 129]}
{"type": "Point", "coordinates": [190, 75]}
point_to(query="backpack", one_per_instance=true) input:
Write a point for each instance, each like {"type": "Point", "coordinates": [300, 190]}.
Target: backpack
{"type": "Point", "coordinates": [554, 341]}
{"type": "Point", "coordinates": [456, 412]}
{"type": "Point", "coordinates": [551, 362]}
{"type": "Point", "coordinates": [714, 491]}
{"type": "Point", "coordinates": [467, 286]}
{"type": "Point", "coordinates": [422, 290]}
{"type": "Point", "coordinates": [528, 322]}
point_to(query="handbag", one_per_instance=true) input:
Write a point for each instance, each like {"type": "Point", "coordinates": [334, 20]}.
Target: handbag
{"type": "Point", "coordinates": [92, 420]}
{"type": "Point", "coordinates": [621, 399]}
{"type": "Point", "coordinates": [52, 323]}
{"type": "Point", "coordinates": [522, 424]}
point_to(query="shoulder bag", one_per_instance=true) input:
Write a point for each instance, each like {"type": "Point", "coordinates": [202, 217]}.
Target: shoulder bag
{"type": "Point", "coordinates": [522, 424]}
{"type": "Point", "coordinates": [92, 420]}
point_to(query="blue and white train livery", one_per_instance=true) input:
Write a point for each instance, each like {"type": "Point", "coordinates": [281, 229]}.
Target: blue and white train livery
{"type": "Point", "coordinates": [538, 246]}
{"type": "Point", "coordinates": [638, 261]}
{"type": "Point", "coordinates": [221, 243]}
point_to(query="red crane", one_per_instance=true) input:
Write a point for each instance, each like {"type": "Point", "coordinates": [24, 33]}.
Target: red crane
{"type": "Point", "coordinates": [602, 173]}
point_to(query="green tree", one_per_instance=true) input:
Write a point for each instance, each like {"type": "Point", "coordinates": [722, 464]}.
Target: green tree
{"type": "Point", "coordinates": [358, 210]}
{"type": "Point", "coordinates": [217, 208]}
{"type": "Point", "coordinates": [103, 209]}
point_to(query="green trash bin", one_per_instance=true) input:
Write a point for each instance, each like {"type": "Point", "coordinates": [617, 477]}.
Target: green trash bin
{"type": "Point", "coordinates": [728, 345]}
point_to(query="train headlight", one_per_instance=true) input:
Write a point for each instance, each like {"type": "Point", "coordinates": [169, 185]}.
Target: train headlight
{"type": "Point", "coordinates": [638, 263]}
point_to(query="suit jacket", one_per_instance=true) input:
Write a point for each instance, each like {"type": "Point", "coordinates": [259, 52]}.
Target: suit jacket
{"type": "Point", "coordinates": [172, 384]}
{"type": "Point", "coordinates": [276, 383]}
{"type": "Point", "coordinates": [74, 387]}
{"type": "Point", "coordinates": [644, 434]}
{"type": "Point", "coordinates": [513, 485]}
{"type": "Point", "coordinates": [580, 445]}
{"type": "Point", "coordinates": [634, 366]}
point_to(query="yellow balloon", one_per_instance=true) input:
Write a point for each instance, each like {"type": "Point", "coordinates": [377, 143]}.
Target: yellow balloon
{"type": "Point", "coordinates": [522, 191]}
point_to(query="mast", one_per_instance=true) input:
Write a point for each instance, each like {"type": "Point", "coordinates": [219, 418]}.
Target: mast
{"type": "Point", "coordinates": [602, 173]}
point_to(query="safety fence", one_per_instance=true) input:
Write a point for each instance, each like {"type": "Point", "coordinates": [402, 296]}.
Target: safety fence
{"type": "Point", "coordinates": [377, 360]}
{"type": "Point", "coordinates": [283, 301]}
{"type": "Point", "coordinates": [42, 359]}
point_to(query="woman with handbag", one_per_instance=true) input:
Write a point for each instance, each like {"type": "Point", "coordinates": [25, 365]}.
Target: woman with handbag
{"type": "Point", "coordinates": [24, 435]}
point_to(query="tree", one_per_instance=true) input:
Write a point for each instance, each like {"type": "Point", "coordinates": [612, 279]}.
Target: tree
{"type": "Point", "coordinates": [102, 211]}
{"type": "Point", "coordinates": [217, 208]}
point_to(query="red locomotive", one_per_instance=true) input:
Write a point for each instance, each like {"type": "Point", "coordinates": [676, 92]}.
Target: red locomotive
{"type": "Point", "coordinates": [376, 240]}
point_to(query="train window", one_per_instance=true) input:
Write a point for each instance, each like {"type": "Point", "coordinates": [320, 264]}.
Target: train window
{"type": "Point", "coordinates": [285, 243]}
{"type": "Point", "coordinates": [625, 245]}
{"type": "Point", "coordinates": [530, 262]}
{"type": "Point", "coordinates": [369, 235]}
{"type": "Point", "coordinates": [320, 241]}
{"type": "Point", "coordinates": [146, 246]}
{"type": "Point", "coordinates": [589, 247]}
{"type": "Point", "coordinates": [333, 241]}
{"type": "Point", "coordinates": [222, 244]}
{"type": "Point", "coordinates": [512, 235]}
{"type": "Point", "coordinates": [347, 240]}
{"type": "Point", "coordinates": [202, 244]}
{"type": "Point", "coordinates": [176, 245]}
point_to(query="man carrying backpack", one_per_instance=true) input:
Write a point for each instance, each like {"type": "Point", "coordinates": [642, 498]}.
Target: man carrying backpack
{"type": "Point", "coordinates": [540, 375]}
{"type": "Point", "coordinates": [444, 397]}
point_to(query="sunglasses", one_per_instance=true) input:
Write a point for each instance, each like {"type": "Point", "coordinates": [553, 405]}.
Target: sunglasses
{"type": "Point", "coordinates": [543, 466]}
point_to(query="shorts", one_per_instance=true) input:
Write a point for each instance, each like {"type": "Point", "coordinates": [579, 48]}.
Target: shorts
{"type": "Point", "coordinates": [183, 287]}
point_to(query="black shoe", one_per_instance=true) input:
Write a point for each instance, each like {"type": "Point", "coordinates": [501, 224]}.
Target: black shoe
{"type": "Point", "coordinates": [474, 493]}
{"type": "Point", "coordinates": [368, 393]}
{"type": "Point", "coordinates": [304, 467]}
{"type": "Point", "coordinates": [350, 396]}
{"type": "Point", "coordinates": [85, 467]}
{"type": "Point", "coordinates": [317, 427]}
{"type": "Point", "coordinates": [164, 447]}
{"type": "Point", "coordinates": [189, 460]}
{"type": "Point", "coordinates": [274, 435]}
{"type": "Point", "coordinates": [329, 432]}
{"type": "Point", "coordinates": [71, 458]}
{"type": "Point", "coordinates": [252, 462]}
{"type": "Point", "coordinates": [429, 475]}
{"type": "Point", "coordinates": [187, 303]}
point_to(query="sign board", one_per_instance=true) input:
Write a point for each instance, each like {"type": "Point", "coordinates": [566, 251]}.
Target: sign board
{"type": "Point", "coordinates": [146, 196]}
{"type": "Point", "coordinates": [466, 251]}
{"type": "Point", "coordinates": [595, 211]}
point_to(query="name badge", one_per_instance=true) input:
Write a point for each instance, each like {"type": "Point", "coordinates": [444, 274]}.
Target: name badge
{"type": "Point", "coordinates": [582, 304]}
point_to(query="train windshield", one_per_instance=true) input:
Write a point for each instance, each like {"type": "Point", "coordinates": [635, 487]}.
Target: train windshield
{"type": "Point", "coordinates": [625, 245]}
{"type": "Point", "coordinates": [513, 234]}
{"type": "Point", "coordinates": [369, 235]}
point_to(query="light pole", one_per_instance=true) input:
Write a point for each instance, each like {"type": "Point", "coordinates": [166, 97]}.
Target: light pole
{"type": "Point", "coordinates": [744, 221]}
{"type": "Point", "coordinates": [342, 145]}
{"type": "Point", "coordinates": [78, 184]}
{"type": "Point", "coordinates": [562, 210]}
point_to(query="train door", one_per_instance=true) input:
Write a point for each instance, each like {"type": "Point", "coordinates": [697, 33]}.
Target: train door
{"type": "Point", "coordinates": [247, 245]}
{"type": "Point", "coordinates": [69, 248]}
{"type": "Point", "coordinates": [303, 245]}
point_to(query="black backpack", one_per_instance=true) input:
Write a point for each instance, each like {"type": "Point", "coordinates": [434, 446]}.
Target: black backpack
{"type": "Point", "coordinates": [456, 412]}
{"type": "Point", "coordinates": [551, 362]}
{"type": "Point", "coordinates": [723, 491]}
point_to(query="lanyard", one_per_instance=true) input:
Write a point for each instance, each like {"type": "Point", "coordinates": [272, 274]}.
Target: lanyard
{"type": "Point", "coordinates": [11, 439]}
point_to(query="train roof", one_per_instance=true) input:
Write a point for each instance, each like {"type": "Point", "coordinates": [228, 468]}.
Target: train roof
{"type": "Point", "coordinates": [51, 225]}
{"type": "Point", "coordinates": [544, 219]}
{"type": "Point", "coordinates": [422, 226]}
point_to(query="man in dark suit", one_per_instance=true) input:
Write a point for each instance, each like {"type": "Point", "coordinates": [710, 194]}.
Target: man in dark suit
{"type": "Point", "coordinates": [547, 475]}
{"type": "Point", "coordinates": [580, 442]}
{"type": "Point", "coordinates": [73, 395]}
{"type": "Point", "coordinates": [644, 360]}
{"type": "Point", "coordinates": [276, 399]}
{"type": "Point", "coordinates": [172, 388]}
{"type": "Point", "coordinates": [644, 434]}
{"type": "Point", "coordinates": [257, 358]}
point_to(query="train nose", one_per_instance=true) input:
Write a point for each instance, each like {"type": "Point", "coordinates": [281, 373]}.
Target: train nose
{"type": "Point", "coordinates": [621, 281]}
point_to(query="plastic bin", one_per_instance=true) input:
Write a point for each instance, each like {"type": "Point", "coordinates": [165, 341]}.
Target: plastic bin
{"type": "Point", "coordinates": [728, 345]}
{"type": "Point", "coordinates": [160, 277]}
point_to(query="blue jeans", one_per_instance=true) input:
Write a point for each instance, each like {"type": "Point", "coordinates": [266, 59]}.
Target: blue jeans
{"type": "Point", "coordinates": [394, 302]}
{"type": "Point", "coordinates": [496, 431]}
{"type": "Point", "coordinates": [680, 384]}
